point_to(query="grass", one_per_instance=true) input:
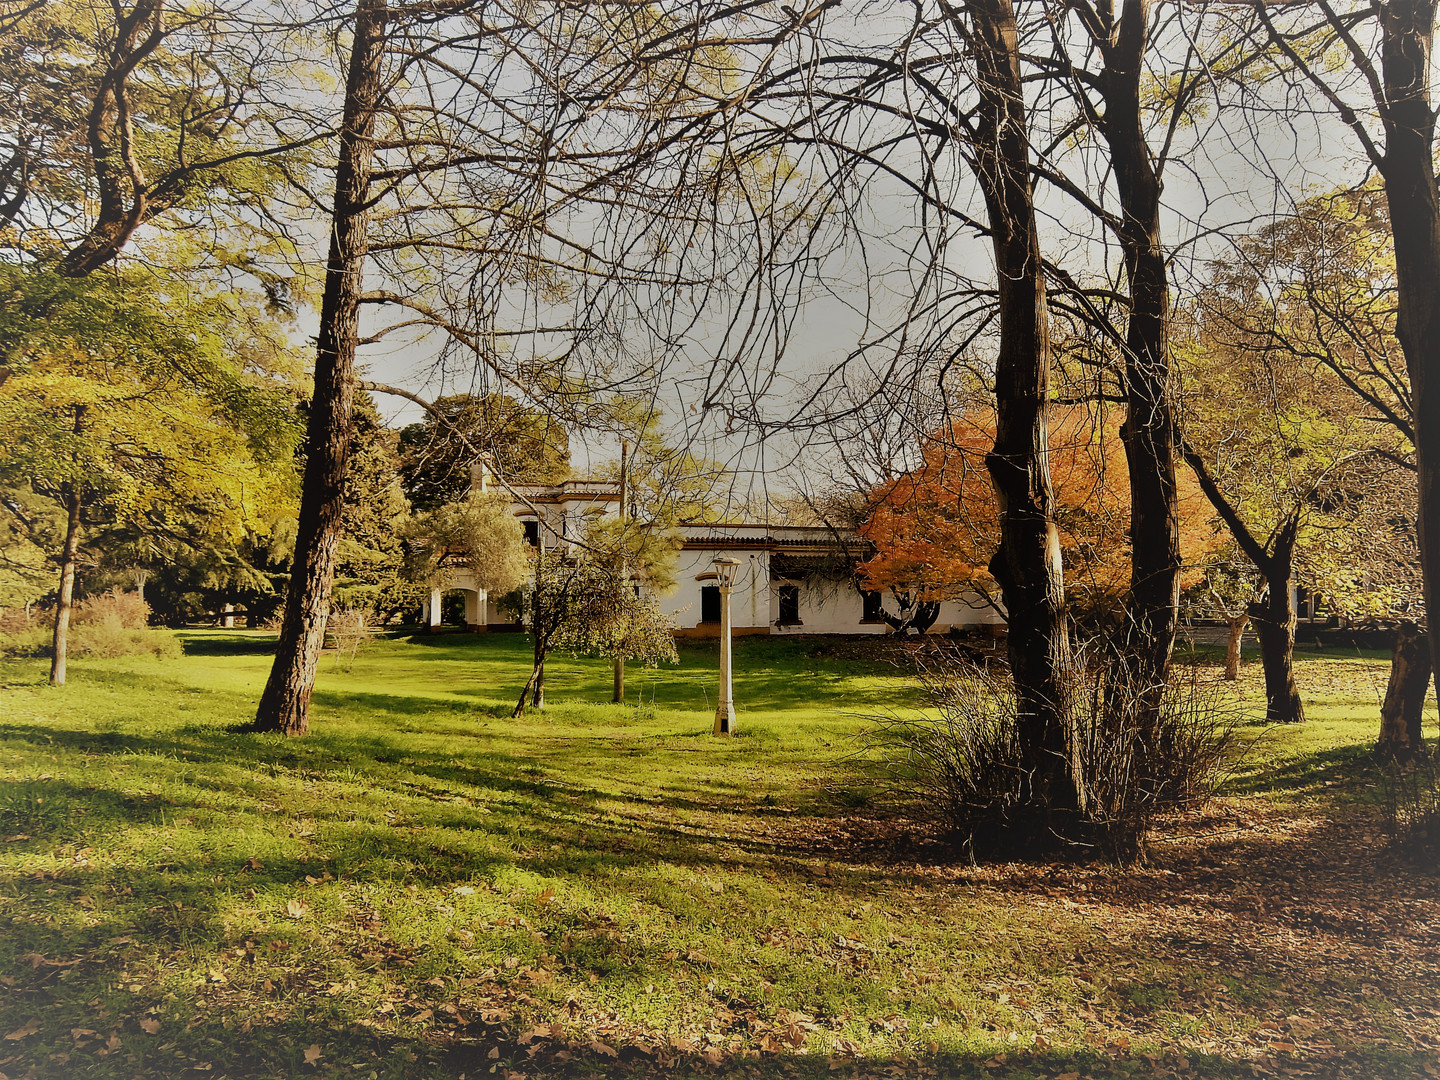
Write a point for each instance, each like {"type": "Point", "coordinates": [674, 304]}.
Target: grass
{"type": "Point", "coordinates": [425, 887]}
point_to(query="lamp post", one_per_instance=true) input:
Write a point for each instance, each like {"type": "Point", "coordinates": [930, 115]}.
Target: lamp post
{"type": "Point", "coordinates": [725, 568]}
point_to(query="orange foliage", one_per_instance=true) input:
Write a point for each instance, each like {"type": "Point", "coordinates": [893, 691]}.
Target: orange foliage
{"type": "Point", "coordinates": [936, 527]}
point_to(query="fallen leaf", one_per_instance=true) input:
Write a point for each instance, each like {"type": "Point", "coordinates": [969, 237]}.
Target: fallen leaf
{"type": "Point", "coordinates": [313, 1053]}
{"type": "Point", "coordinates": [25, 1032]}
{"type": "Point", "coordinates": [296, 909]}
{"type": "Point", "coordinates": [150, 1026]}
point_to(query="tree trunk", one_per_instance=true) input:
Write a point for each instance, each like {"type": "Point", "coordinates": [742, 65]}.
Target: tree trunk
{"type": "Point", "coordinates": [536, 674]}
{"type": "Point", "coordinates": [1408, 28]}
{"type": "Point", "coordinates": [1027, 564]}
{"type": "Point", "coordinates": [538, 700]}
{"type": "Point", "coordinates": [1274, 618]}
{"type": "Point", "coordinates": [1148, 630]}
{"type": "Point", "coordinates": [122, 202]}
{"type": "Point", "coordinates": [1404, 706]}
{"type": "Point", "coordinates": [1232, 646]}
{"type": "Point", "coordinates": [285, 704]}
{"type": "Point", "coordinates": [60, 643]}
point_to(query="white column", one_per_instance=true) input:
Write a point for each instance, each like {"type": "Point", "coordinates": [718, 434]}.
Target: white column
{"type": "Point", "coordinates": [432, 609]}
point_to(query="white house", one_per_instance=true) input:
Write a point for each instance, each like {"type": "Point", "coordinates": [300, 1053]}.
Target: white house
{"type": "Point", "coordinates": [791, 579]}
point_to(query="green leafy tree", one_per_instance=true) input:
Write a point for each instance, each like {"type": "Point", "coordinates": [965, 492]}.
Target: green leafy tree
{"type": "Point", "coordinates": [480, 535]}
{"type": "Point", "coordinates": [124, 115]}
{"type": "Point", "coordinates": [129, 406]}
{"type": "Point", "coordinates": [601, 598]}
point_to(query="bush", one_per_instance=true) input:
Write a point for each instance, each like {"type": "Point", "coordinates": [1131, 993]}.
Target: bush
{"type": "Point", "coordinates": [961, 763]}
{"type": "Point", "coordinates": [347, 634]}
{"type": "Point", "coordinates": [106, 626]}
{"type": "Point", "coordinates": [1412, 809]}
{"type": "Point", "coordinates": [127, 610]}
{"type": "Point", "coordinates": [1128, 772]}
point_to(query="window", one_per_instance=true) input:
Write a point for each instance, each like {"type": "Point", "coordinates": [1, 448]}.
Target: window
{"type": "Point", "coordinates": [789, 605]}
{"type": "Point", "coordinates": [872, 608]}
{"type": "Point", "coordinates": [710, 603]}
{"type": "Point", "coordinates": [532, 533]}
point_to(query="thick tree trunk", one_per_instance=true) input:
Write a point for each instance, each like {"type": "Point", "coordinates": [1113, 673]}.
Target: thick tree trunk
{"type": "Point", "coordinates": [60, 642]}
{"type": "Point", "coordinates": [122, 203]}
{"type": "Point", "coordinates": [285, 704]}
{"type": "Point", "coordinates": [1404, 706]}
{"type": "Point", "coordinates": [1027, 564]}
{"type": "Point", "coordinates": [1408, 28]}
{"type": "Point", "coordinates": [1274, 617]}
{"type": "Point", "coordinates": [1232, 646]}
{"type": "Point", "coordinates": [1148, 629]}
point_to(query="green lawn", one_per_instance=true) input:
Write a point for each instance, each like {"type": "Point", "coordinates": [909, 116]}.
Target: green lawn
{"type": "Point", "coordinates": [424, 887]}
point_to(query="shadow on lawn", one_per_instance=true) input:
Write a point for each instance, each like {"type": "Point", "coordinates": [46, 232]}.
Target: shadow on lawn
{"type": "Point", "coordinates": [1312, 894]}
{"type": "Point", "coordinates": [1335, 774]}
{"type": "Point", "coordinates": [218, 644]}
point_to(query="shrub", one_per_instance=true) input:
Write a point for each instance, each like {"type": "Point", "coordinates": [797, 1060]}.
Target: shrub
{"type": "Point", "coordinates": [1412, 809]}
{"type": "Point", "coordinates": [26, 642]}
{"type": "Point", "coordinates": [347, 634]}
{"type": "Point", "coordinates": [124, 609]}
{"type": "Point", "coordinates": [961, 762]}
{"type": "Point", "coordinates": [107, 626]}
{"type": "Point", "coordinates": [1127, 771]}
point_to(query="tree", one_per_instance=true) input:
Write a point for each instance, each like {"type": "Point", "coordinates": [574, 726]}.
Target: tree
{"type": "Point", "coordinates": [1387, 108]}
{"type": "Point", "coordinates": [370, 563]}
{"type": "Point", "coordinates": [480, 534]}
{"type": "Point", "coordinates": [122, 115]}
{"type": "Point", "coordinates": [601, 597]}
{"type": "Point", "coordinates": [520, 445]}
{"type": "Point", "coordinates": [508, 169]}
{"type": "Point", "coordinates": [936, 527]}
{"type": "Point", "coordinates": [1278, 453]}
{"type": "Point", "coordinates": [128, 405]}
{"type": "Point", "coordinates": [285, 703]}
{"type": "Point", "coordinates": [1313, 293]}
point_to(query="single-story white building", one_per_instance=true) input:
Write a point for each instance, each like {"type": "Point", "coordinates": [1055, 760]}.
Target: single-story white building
{"type": "Point", "coordinates": [791, 579]}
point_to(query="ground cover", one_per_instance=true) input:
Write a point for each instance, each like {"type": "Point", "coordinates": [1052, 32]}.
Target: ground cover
{"type": "Point", "coordinates": [424, 887]}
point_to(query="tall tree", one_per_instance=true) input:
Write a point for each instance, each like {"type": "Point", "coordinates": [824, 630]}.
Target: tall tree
{"type": "Point", "coordinates": [521, 445]}
{"type": "Point", "coordinates": [1382, 93]}
{"type": "Point", "coordinates": [121, 116]}
{"type": "Point", "coordinates": [936, 527]}
{"type": "Point", "coordinates": [285, 703]}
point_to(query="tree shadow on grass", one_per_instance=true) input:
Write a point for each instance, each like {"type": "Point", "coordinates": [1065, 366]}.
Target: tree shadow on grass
{"type": "Point", "coordinates": [1334, 774]}
{"type": "Point", "coordinates": [413, 814]}
{"type": "Point", "coordinates": [212, 643]}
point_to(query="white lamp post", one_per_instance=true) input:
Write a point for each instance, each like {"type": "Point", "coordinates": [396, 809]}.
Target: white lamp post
{"type": "Point", "coordinates": [725, 568]}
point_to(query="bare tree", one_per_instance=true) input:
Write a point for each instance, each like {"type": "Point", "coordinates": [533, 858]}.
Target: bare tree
{"type": "Point", "coordinates": [1382, 94]}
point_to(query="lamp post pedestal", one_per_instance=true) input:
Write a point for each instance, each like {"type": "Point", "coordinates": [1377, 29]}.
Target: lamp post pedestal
{"type": "Point", "coordinates": [724, 576]}
{"type": "Point", "coordinates": [725, 710]}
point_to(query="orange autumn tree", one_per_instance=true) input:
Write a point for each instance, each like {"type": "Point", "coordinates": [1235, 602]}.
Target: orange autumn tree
{"type": "Point", "coordinates": [936, 527]}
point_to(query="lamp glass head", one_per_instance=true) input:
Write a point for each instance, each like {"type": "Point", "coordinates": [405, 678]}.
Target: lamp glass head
{"type": "Point", "coordinates": [725, 568]}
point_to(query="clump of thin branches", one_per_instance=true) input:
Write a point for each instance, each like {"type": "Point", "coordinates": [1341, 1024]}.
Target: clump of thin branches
{"type": "Point", "coordinates": [959, 760]}
{"type": "Point", "coordinates": [347, 633]}
{"type": "Point", "coordinates": [1137, 752]}
{"type": "Point", "coordinates": [1412, 809]}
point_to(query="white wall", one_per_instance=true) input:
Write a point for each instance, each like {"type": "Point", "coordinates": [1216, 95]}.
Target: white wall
{"type": "Point", "coordinates": [749, 600]}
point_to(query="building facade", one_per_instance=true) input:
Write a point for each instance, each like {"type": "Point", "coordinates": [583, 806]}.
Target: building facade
{"type": "Point", "coordinates": [791, 579]}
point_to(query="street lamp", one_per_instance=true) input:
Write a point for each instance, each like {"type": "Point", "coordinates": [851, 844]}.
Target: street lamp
{"type": "Point", "coordinates": [725, 568]}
